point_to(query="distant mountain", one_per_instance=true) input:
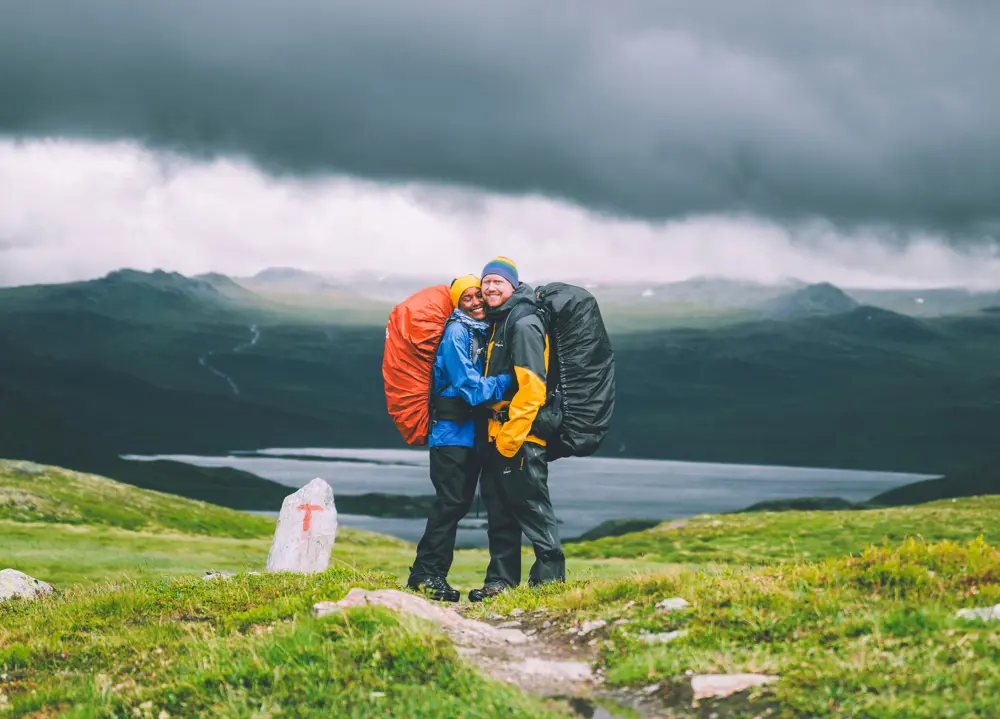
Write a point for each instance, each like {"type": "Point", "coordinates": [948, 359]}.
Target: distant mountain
{"type": "Point", "coordinates": [149, 363]}
{"type": "Point", "coordinates": [933, 302]}
{"type": "Point", "coordinates": [289, 278]}
{"type": "Point", "coordinates": [714, 292]}
{"type": "Point", "coordinates": [811, 300]}
{"type": "Point", "coordinates": [131, 293]}
{"type": "Point", "coordinates": [882, 324]}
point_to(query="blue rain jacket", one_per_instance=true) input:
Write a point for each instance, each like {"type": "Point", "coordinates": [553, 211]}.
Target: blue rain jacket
{"type": "Point", "coordinates": [458, 374]}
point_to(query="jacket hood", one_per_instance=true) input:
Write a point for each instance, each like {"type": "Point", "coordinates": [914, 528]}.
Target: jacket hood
{"type": "Point", "coordinates": [524, 293]}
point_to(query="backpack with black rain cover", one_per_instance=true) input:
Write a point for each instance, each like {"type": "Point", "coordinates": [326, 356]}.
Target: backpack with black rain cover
{"type": "Point", "coordinates": [581, 368]}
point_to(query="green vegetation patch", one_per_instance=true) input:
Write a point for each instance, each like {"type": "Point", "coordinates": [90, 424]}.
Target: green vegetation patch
{"type": "Point", "coordinates": [239, 647]}
{"type": "Point", "coordinates": [873, 635]}
{"type": "Point", "coordinates": [766, 537]}
{"type": "Point", "coordinates": [36, 493]}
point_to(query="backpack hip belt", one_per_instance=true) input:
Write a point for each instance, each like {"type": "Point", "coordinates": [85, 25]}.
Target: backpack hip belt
{"type": "Point", "coordinates": [451, 409]}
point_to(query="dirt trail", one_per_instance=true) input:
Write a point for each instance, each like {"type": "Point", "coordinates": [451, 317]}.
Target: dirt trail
{"type": "Point", "coordinates": [529, 651]}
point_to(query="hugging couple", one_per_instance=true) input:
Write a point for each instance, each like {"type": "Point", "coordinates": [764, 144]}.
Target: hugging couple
{"type": "Point", "coordinates": [488, 387]}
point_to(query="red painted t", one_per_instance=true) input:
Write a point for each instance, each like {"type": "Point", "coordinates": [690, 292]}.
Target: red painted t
{"type": "Point", "coordinates": [309, 509]}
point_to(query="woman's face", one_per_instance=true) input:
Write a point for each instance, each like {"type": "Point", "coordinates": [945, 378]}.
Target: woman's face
{"type": "Point", "coordinates": [471, 303]}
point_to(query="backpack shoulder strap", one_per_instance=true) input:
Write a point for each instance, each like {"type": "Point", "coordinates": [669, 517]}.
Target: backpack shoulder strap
{"type": "Point", "coordinates": [520, 312]}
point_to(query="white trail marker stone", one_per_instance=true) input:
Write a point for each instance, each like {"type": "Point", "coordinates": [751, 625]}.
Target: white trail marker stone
{"type": "Point", "coordinates": [306, 531]}
{"type": "Point", "coordinates": [18, 584]}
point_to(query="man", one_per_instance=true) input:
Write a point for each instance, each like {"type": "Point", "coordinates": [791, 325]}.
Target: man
{"type": "Point", "coordinates": [458, 386]}
{"type": "Point", "coordinates": [514, 482]}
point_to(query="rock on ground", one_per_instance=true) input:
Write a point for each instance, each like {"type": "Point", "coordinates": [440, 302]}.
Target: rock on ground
{"type": "Point", "coordinates": [663, 638]}
{"type": "Point", "coordinates": [588, 627]}
{"type": "Point", "coordinates": [18, 584]}
{"type": "Point", "coordinates": [507, 654]}
{"type": "Point", "coordinates": [306, 531]}
{"type": "Point", "coordinates": [718, 686]}
{"type": "Point", "coordinates": [984, 613]}
{"type": "Point", "coordinates": [673, 604]}
{"type": "Point", "coordinates": [468, 632]}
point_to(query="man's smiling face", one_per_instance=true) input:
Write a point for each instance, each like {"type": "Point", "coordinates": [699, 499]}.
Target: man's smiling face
{"type": "Point", "coordinates": [496, 290]}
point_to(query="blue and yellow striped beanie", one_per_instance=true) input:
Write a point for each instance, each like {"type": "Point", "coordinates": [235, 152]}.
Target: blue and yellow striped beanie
{"type": "Point", "coordinates": [504, 267]}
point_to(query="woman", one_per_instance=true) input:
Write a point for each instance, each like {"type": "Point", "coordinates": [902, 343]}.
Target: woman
{"type": "Point", "coordinates": [459, 386]}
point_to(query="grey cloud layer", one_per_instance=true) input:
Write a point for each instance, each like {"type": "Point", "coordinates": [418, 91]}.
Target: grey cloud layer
{"type": "Point", "coordinates": [854, 111]}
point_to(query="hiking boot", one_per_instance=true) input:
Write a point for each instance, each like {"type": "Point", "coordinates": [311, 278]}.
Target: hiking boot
{"type": "Point", "coordinates": [490, 589]}
{"type": "Point", "coordinates": [436, 588]}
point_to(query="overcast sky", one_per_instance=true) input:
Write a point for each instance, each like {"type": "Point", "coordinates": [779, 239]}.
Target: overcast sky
{"type": "Point", "coordinates": [854, 141]}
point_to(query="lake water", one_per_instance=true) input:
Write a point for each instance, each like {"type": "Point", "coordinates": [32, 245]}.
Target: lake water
{"type": "Point", "coordinates": [585, 491]}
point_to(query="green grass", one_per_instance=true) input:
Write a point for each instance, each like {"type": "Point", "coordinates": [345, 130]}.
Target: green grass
{"type": "Point", "coordinates": [873, 635]}
{"type": "Point", "coordinates": [853, 610]}
{"type": "Point", "coordinates": [768, 537]}
{"type": "Point", "coordinates": [67, 527]}
{"type": "Point", "coordinates": [37, 493]}
{"type": "Point", "coordinates": [243, 647]}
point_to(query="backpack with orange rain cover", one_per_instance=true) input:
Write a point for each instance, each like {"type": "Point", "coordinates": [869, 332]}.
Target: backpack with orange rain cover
{"type": "Point", "coordinates": [416, 326]}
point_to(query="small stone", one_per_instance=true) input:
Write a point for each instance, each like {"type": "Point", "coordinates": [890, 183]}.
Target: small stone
{"type": "Point", "coordinates": [509, 625]}
{"type": "Point", "coordinates": [217, 575]}
{"type": "Point", "coordinates": [662, 638]}
{"type": "Point", "coordinates": [517, 612]}
{"type": "Point", "coordinates": [983, 613]}
{"type": "Point", "coordinates": [567, 671]}
{"type": "Point", "coordinates": [628, 605]}
{"type": "Point", "coordinates": [163, 714]}
{"type": "Point", "coordinates": [651, 689]}
{"type": "Point", "coordinates": [546, 625]}
{"type": "Point", "coordinates": [622, 622]}
{"type": "Point", "coordinates": [321, 609]}
{"type": "Point", "coordinates": [588, 627]}
{"type": "Point", "coordinates": [306, 531]}
{"type": "Point", "coordinates": [18, 584]}
{"type": "Point", "coordinates": [496, 617]}
{"type": "Point", "coordinates": [376, 695]}
{"type": "Point", "coordinates": [706, 686]}
{"type": "Point", "coordinates": [673, 604]}
{"type": "Point", "coordinates": [463, 631]}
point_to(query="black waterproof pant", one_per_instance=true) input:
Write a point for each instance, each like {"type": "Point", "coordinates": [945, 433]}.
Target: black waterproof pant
{"type": "Point", "coordinates": [454, 474]}
{"type": "Point", "coordinates": [516, 494]}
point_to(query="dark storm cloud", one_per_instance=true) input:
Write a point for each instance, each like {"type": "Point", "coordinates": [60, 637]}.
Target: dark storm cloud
{"type": "Point", "coordinates": [855, 111]}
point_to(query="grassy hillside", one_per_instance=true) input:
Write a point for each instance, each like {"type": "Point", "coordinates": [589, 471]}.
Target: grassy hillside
{"type": "Point", "coordinates": [36, 493]}
{"type": "Point", "coordinates": [867, 389]}
{"type": "Point", "coordinates": [874, 635]}
{"type": "Point", "coordinates": [64, 527]}
{"type": "Point", "coordinates": [775, 537]}
{"type": "Point", "coordinates": [235, 648]}
{"type": "Point", "coordinates": [853, 611]}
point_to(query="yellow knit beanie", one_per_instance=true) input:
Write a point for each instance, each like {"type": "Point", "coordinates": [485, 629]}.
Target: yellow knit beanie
{"type": "Point", "coordinates": [460, 285]}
